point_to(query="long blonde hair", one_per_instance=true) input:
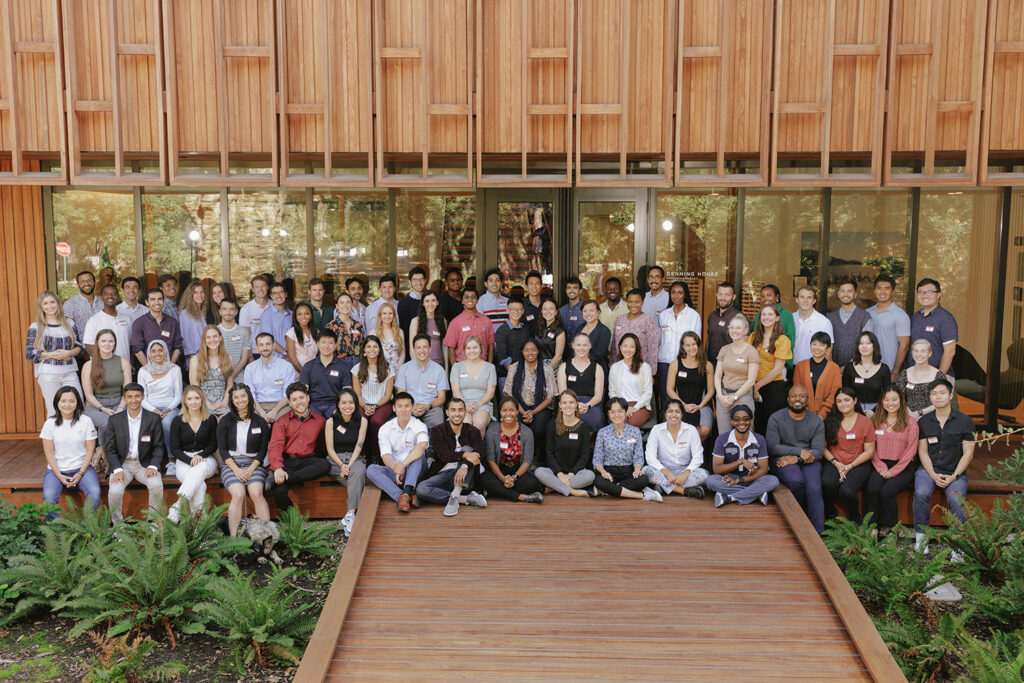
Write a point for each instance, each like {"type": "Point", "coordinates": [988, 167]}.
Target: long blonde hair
{"type": "Point", "coordinates": [196, 311]}
{"type": "Point", "coordinates": [203, 355]}
{"type": "Point", "coordinates": [186, 414]}
{"type": "Point", "coordinates": [395, 329]}
{"type": "Point", "coordinates": [41, 323]}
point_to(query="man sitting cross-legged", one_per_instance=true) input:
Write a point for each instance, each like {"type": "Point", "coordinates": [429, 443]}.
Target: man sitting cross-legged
{"type": "Point", "coordinates": [457, 448]}
{"type": "Point", "coordinates": [403, 441]}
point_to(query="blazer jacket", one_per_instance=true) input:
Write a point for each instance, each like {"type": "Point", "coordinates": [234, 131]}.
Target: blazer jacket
{"type": "Point", "coordinates": [151, 440]}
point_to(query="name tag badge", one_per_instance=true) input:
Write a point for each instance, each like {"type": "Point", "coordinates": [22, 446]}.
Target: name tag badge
{"type": "Point", "coordinates": [571, 378]}
{"type": "Point", "coordinates": [122, 323]}
{"type": "Point", "coordinates": [150, 382]}
{"type": "Point", "coordinates": [851, 437]}
{"type": "Point", "coordinates": [466, 328]}
{"type": "Point", "coordinates": [278, 382]}
{"type": "Point", "coordinates": [573, 318]}
{"type": "Point", "coordinates": [503, 445]}
{"type": "Point", "coordinates": [463, 374]}
{"type": "Point", "coordinates": [236, 337]}
{"type": "Point", "coordinates": [681, 444]}
{"type": "Point", "coordinates": [681, 373]}
{"type": "Point", "coordinates": [929, 328]}
{"type": "Point", "coordinates": [573, 436]}
{"type": "Point", "coordinates": [334, 373]}
{"type": "Point", "coordinates": [551, 335]}
{"type": "Point", "coordinates": [530, 317]}
{"type": "Point", "coordinates": [858, 380]}
{"type": "Point", "coordinates": [145, 438]}
{"type": "Point", "coordinates": [435, 333]}
{"type": "Point", "coordinates": [165, 333]}
{"type": "Point", "coordinates": [630, 440]}
{"type": "Point", "coordinates": [721, 323]}
{"type": "Point", "coordinates": [933, 439]}
{"type": "Point", "coordinates": [910, 386]}
{"type": "Point", "coordinates": [257, 430]}
{"type": "Point", "coordinates": [341, 429]}
{"type": "Point", "coordinates": [741, 359]}
{"type": "Point", "coordinates": [432, 386]}
{"type": "Point", "coordinates": [879, 432]}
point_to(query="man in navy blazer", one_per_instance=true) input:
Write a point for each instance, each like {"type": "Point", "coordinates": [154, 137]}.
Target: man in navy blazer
{"type": "Point", "coordinates": [134, 446]}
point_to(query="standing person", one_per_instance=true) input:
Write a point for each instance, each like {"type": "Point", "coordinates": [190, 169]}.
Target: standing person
{"type": "Point", "coordinates": [493, 303]}
{"type": "Point", "coordinates": [154, 326]}
{"type": "Point", "coordinates": [296, 447]}
{"type": "Point", "coordinates": [134, 446]}
{"type": "Point", "coordinates": [219, 292]}
{"type": "Point", "coordinates": [613, 305]}
{"type": "Point", "coordinates": [211, 370]}
{"type": "Point", "coordinates": [571, 312]}
{"type": "Point", "coordinates": [807, 322]}
{"type": "Point", "coordinates": [253, 310]}
{"type": "Point", "coordinates": [509, 339]}
{"type": "Point", "coordinates": [387, 283]}
{"type": "Point", "coordinates": [915, 380]}
{"type": "Point", "coordinates": [277, 319]}
{"type": "Point", "coordinates": [268, 377]}
{"type": "Point", "coordinates": [52, 345]}
{"type": "Point", "coordinates": [619, 457]}
{"type": "Point", "coordinates": [945, 447]}
{"type": "Point", "coordinates": [194, 447]}
{"type": "Point", "coordinates": [568, 445]}
{"type": "Point", "coordinates": [740, 461]}
{"type": "Point", "coordinates": [896, 437]}
{"type": "Point", "coordinates": [322, 314]}
{"type": "Point", "coordinates": [691, 381]}
{"type": "Point", "coordinates": [390, 335]}
{"type": "Point", "coordinates": [242, 439]}
{"type": "Point", "coordinates": [735, 373]}
{"type": "Point", "coordinates": [599, 335]}
{"type": "Point", "coordinates": [640, 325]}
{"type": "Point", "coordinates": [866, 373]}
{"type": "Point", "coordinates": [161, 382]}
{"type": "Point", "coordinates": [130, 306]}
{"type": "Point", "coordinates": [83, 305]}
{"type": "Point", "coordinates": [300, 338]}
{"type": "Point", "coordinates": [425, 381]}
{"type": "Point", "coordinates": [657, 298]}
{"type": "Point", "coordinates": [193, 318]}
{"type": "Point", "coordinates": [429, 320]}
{"type": "Point", "coordinates": [104, 376]}
{"type": "Point", "coordinates": [409, 306]}
{"type": "Point", "coordinates": [474, 380]}
{"type": "Point", "coordinates": [534, 298]}
{"type": "Point", "coordinates": [819, 376]}
{"type": "Point", "coordinates": [458, 449]}
{"type": "Point", "coordinates": [531, 382]}
{"type": "Point", "coordinates": [551, 336]}
{"type": "Point", "coordinates": [796, 444]}
{"type": "Point", "coordinates": [585, 379]}
{"type": "Point", "coordinates": [848, 321]}
{"type": "Point", "coordinates": [168, 285]}
{"type": "Point", "coordinates": [718, 320]}
{"type": "Point", "coordinates": [849, 448]}
{"type": "Point", "coordinates": [108, 319]}
{"type": "Point", "coordinates": [451, 299]}
{"type": "Point", "coordinates": [373, 381]}
{"type": "Point", "coordinates": [345, 435]}
{"type": "Point", "coordinates": [325, 376]}
{"type": "Point", "coordinates": [69, 443]}
{"type": "Point", "coordinates": [348, 331]}
{"type": "Point", "coordinates": [236, 337]}
{"type": "Point", "coordinates": [630, 379]}
{"type": "Point", "coordinates": [402, 443]}
{"type": "Point", "coordinates": [891, 325]}
{"type": "Point", "coordinates": [675, 455]}
{"type": "Point", "coordinates": [356, 288]}
{"type": "Point", "coordinates": [674, 321]}
{"type": "Point", "coordinates": [774, 351]}
{"type": "Point", "coordinates": [467, 324]}
{"type": "Point", "coordinates": [935, 324]}
{"type": "Point", "coordinates": [770, 296]}
{"type": "Point", "coordinates": [509, 451]}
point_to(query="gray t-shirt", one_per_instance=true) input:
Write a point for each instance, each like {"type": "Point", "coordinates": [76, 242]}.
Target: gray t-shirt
{"type": "Point", "coordinates": [236, 340]}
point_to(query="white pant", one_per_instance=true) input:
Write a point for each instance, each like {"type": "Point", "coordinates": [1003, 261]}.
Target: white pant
{"type": "Point", "coordinates": [50, 383]}
{"type": "Point", "coordinates": [193, 484]}
{"type": "Point", "coordinates": [133, 469]}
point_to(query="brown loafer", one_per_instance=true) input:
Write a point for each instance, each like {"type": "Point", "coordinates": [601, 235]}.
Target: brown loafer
{"type": "Point", "coordinates": [404, 503]}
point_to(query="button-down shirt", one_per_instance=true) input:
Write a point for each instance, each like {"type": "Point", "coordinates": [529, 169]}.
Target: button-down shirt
{"type": "Point", "coordinates": [423, 383]}
{"type": "Point", "coordinates": [132, 314]}
{"type": "Point", "coordinates": [717, 333]}
{"type": "Point", "coordinates": [370, 322]}
{"type": "Point", "coordinates": [250, 316]}
{"type": "Point", "coordinates": [359, 313]}
{"type": "Point", "coordinates": [805, 329]}
{"type": "Point", "coordinates": [572, 320]}
{"type": "Point", "coordinates": [324, 381]}
{"type": "Point", "coordinates": [170, 308]}
{"type": "Point", "coordinates": [277, 323]}
{"type": "Point", "coordinates": [646, 329]}
{"type": "Point", "coordinates": [321, 316]}
{"type": "Point", "coordinates": [297, 437]}
{"type": "Point", "coordinates": [673, 327]}
{"type": "Point", "coordinates": [268, 381]}
{"type": "Point", "coordinates": [119, 324]}
{"type": "Point", "coordinates": [889, 325]}
{"type": "Point", "coordinates": [939, 328]}
{"type": "Point", "coordinates": [654, 304]}
{"type": "Point", "coordinates": [464, 326]}
{"type": "Point", "coordinates": [684, 452]}
{"type": "Point", "coordinates": [531, 313]}
{"type": "Point", "coordinates": [730, 450]}
{"type": "Point", "coordinates": [608, 315]}
{"type": "Point", "coordinates": [134, 425]}
{"type": "Point", "coordinates": [610, 449]}
{"type": "Point", "coordinates": [508, 344]}
{"type": "Point", "coordinates": [946, 441]}
{"type": "Point", "coordinates": [147, 329]}
{"type": "Point", "coordinates": [80, 310]}
{"type": "Point", "coordinates": [494, 307]}
{"type": "Point", "coordinates": [397, 441]}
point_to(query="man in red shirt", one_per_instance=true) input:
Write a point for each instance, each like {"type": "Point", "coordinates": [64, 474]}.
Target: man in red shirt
{"type": "Point", "coordinates": [296, 446]}
{"type": "Point", "coordinates": [469, 323]}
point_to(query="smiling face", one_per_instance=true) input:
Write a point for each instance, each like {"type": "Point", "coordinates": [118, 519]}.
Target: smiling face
{"type": "Point", "coordinates": [616, 414]}
{"type": "Point", "coordinates": [654, 279]}
{"type": "Point", "coordinates": [371, 349]}
{"type": "Point", "coordinates": [417, 282]}
{"type": "Point", "coordinates": [403, 409]}
{"type": "Point", "coordinates": [86, 283]}
{"type": "Point", "coordinates": [673, 414]}
{"type": "Point", "coordinates": [634, 304]}
{"type": "Point", "coordinates": [240, 400]}
{"type": "Point", "coordinates": [572, 290]}
{"type": "Point", "coordinates": [193, 400]}
{"type": "Point", "coordinates": [453, 281]}
{"type": "Point", "coordinates": [769, 316]}
{"type": "Point", "coordinates": [67, 404]}
{"type": "Point", "coordinates": [265, 347]}
{"type": "Point", "coordinates": [326, 346]}
{"type": "Point", "coordinates": [928, 296]}
{"type": "Point", "coordinates": [157, 354]}
{"type": "Point", "coordinates": [387, 290]}
{"type": "Point", "coordinates": [355, 288]}
{"type": "Point", "coordinates": [508, 413]}
{"type": "Point", "coordinates": [568, 405]}
{"type": "Point", "coordinates": [741, 422]}
{"type": "Point", "coordinates": [346, 406]}
{"type": "Point", "coordinates": [549, 311]}
{"type": "Point", "coordinates": [921, 353]}
{"type": "Point", "coordinates": [344, 304]}
{"type": "Point", "coordinates": [865, 346]}
{"type": "Point", "coordinates": [883, 292]}
{"type": "Point", "coordinates": [278, 295]}
{"type": "Point", "coordinates": [131, 290]}
{"type": "Point", "coordinates": [768, 297]}
{"type": "Point", "coordinates": [724, 297]}
{"type": "Point", "coordinates": [422, 350]}
{"type": "Point", "coordinates": [299, 402]}
{"type": "Point", "coordinates": [471, 349]}
{"type": "Point", "coordinates": [170, 288]}
{"type": "Point", "coordinates": [581, 346]}
{"type": "Point", "coordinates": [133, 400]}
{"type": "Point", "coordinates": [613, 290]}
{"type": "Point", "coordinates": [627, 349]}
{"type": "Point", "coordinates": [430, 303]}
{"type": "Point", "coordinates": [591, 312]}
{"type": "Point", "coordinates": [846, 293]}
{"type": "Point", "coordinates": [690, 346]}
{"type": "Point", "coordinates": [469, 300]}
{"type": "Point", "coordinates": [530, 352]}
{"type": "Point", "coordinates": [493, 283]}
{"type": "Point", "coordinates": [515, 312]}
{"type": "Point", "coordinates": [212, 338]}
{"type": "Point", "coordinates": [533, 286]}
{"type": "Point", "coordinates": [845, 404]}
{"type": "Point", "coordinates": [677, 294]}
{"type": "Point", "coordinates": [198, 295]}
{"type": "Point", "coordinates": [106, 342]}
{"type": "Point", "coordinates": [50, 305]}
{"type": "Point", "coordinates": [386, 318]}
{"type": "Point", "coordinates": [456, 412]}
{"type": "Point", "coordinates": [303, 316]}
{"type": "Point", "coordinates": [228, 311]}
{"type": "Point", "coordinates": [797, 398]}
{"type": "Point", "coordinates": [217, 294]}
{"type": "Point", "coordinates": [109, 296]}
{"type": "Point", "coordinates": [259, 288]}
{"type": "Point", "coordinates": [891, 402]}
{"type": "Point", "coordinates": [155, 302]}
{"type": "Point", "coordinates": [805, 300]}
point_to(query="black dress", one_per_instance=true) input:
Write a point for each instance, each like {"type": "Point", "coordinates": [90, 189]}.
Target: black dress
{"type": "Point", "coordinates": [690, 386]}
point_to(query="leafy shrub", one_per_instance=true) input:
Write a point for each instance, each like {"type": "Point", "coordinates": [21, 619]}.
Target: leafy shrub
{"type": "Point", "coordinates": [996, 661]}
{"type": "Point", "coordinates": [118, 659]}
{"type": "Point", "coordinates": [924, 649]}
{"type": "Point", "coordinates": [203, 540]}
{"type": "Point", "coordinates": [980, 539]}
{"type": "Point", "coordinates": [21, 528]}
{"type": "Point", "coordinates": [49, 579]}
{"type": "Point", "coordinates": [302, 537]}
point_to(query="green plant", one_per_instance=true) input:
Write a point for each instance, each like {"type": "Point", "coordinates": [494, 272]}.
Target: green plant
{"type": "Point", "coordinates": [203, 540]}
{"type": "Point", "coordinates": [120, 659]}
{"type": "Point", "coordinates": [302, 537]}
{"type": "Point", "coordinates": [848, 541]}
{"type": "Point", "coordinates": [1004, 600]}
{"type": "Point", "coordinates": [925, 648]}
{"type": "Point", "coordinates": [258, 622]}
{"type": "Point", "coordinates": [85, 525]}
{"type": "Point", "coordinates": [996, 661]}
{"type": "Point", "coordinates": [980, 539]}
{"type": "Point", "coordinates": [21, 528]}
{"type": "Point", "coordinates": [50, 579]}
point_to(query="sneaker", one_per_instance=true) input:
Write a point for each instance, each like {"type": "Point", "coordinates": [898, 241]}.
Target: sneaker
{"type": "Point", "coordinates": [764, 498]}
{"type": "Point", "coordinates": [534, 498]}
{"type": "Point", "coordinates": [170, 468]}
{"type": "Point", "coordinates": [452, 508]}
{"type": "Point", "coordinates": [956, 556]}
{"type": "Point", "coordinates": [921, 543]}
{"type": "Point", "coordinates": [474, 498]}
{"type": "Point", "coordinates": [721, 500]}
{"type": "Point", "coordinates": [651, 494]}
{"type": "Point", "coordinates": [347, 521]}
{"type": "Point", "coordinates": [693, 492]}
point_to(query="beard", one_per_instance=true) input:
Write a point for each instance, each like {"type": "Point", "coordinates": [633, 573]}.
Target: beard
{"type": "Point", "coordinates": [798, 410]}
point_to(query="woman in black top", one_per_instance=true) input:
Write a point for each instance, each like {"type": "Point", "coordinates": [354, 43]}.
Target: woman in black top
{"type": "Point", "coordinates": [550, 333]}
{"type": "Point", "coordinates": [866, 373]}
{"type": "Point", "coordinates": [193, 445]}
{"type": "Point", "coordinates": [600, 336]}
{"type": "Point", "coordinates": [691, 380]}
{"type": "Point", "coordinates": [243, 438]}
{"type": "Point", "coordinates": [345, 435]}
{"type": "Point", "coordinates": [585, 377]}
{"type": "Point", "coordinates": [568, 470]}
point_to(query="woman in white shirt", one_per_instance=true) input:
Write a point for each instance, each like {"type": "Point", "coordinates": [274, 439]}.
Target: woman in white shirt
{"type": "Point", "coordinates": [675, 454]}
{"type": "Point", "coordinates": [373, 380]}
{"type": "Point", "coordinates": [69, 441]}
{"type": "Point", "coordinates": [161, 380]}
{"type": "Point", "coordinates": [631, 379]}
{"type": "Point", "coordinates": [300, 353]}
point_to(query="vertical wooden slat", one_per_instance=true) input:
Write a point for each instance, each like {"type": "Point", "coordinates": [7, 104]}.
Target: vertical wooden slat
{"type": "Point", "coordinates": [12, 95]}
{"type": "Point", "coordinates": [115, 88]}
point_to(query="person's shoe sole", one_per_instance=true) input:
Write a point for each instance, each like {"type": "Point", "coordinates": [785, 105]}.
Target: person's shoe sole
{"type": "Point", "coordinates": [720, 500]}
{"type": "Point", "coordinates": [476, 499]}
{"type": "Point", "coordinates": [694, 492]}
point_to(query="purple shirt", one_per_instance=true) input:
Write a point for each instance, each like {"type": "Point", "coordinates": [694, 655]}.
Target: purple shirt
{"type": "Point", "coordinates": [191, 332]}
{"type": "Point", "coordinates": [147, 329]}
{"type": "Point", "coordinates": [938, 328]}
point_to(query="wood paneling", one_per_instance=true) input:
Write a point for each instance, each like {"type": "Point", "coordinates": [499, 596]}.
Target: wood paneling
{"type": "Point", "coordinates": [829, 89]}
{"type": "Point", "coordinates": [936, 64]}
{"type": "Point", "coordinates": [1002, 128]}
{"type": "Point", "coordinates": [722, 107]}
{"type": "Point", "coordinates": [115, 88]}
{"type": "Point", "coordinates": [325, 65]}
{"type": "Point", "coordinates": [31, 74]}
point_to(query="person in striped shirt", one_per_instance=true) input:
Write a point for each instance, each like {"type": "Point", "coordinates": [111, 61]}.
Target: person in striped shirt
{"type": "Point", "coordinates": [492, 303]}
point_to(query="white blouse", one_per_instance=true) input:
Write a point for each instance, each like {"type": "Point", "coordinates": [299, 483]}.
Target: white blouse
{"type": "Point", "coordinates": [637, 388]}
{"type": "Point", "coordinates": [163, 392]}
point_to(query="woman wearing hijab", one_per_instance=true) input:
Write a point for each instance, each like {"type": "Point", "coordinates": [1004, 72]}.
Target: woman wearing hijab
{"type": "Point", "coordinates": [161, 383]}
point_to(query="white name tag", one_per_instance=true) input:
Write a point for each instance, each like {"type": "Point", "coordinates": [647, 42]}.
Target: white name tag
{"type": "Point", "coordinates": [910, 386]}
{"type": "Point", "coordinates": [681, 444]}
{"type": "Point", "coordinates": [432, 385]}
{"type": "Point", "coordinates": [630, 440]}
{"type": "Point", "coordinates": [145, 438]}
{"type": "Point", "coordinates": [530, 317]}
{"type": "Point", "coordinates": [573, 436]}
{"type": "Point", "coordinates": [681, 373]}
{"type": "Point", "coordinates": [463, 374]}
{"type": "Point", "coordinates": [573, 318]}
{"type": "Point", "coordinates": [435, 333]}
{"type": "Point", "coordinates": [236, 337]}
{"type": "Point", "coordinates": [150, 382]}
{"type": "Point", "coordinates": [551, 335]}
{"type": "Point", "coordinates": [257, 430]}
{"type": "Point", "coordinates": [278, 382]}
{"type": "Point", "coordinates": [740, 359]}
{"type": "Point", "coordinates": [466, 328]}
{"type": "Point", "coordinates": [851, 437]}
{"type": "Point", "coordinates": [341, 429]}
{"type": "Point", "coordinates": [933, 439]}
{"type": "Point", "coordinates": [165, 333]}
{"type": "Point", "coordinates": [122, 323]}
{"type": "Point", "coordinates": [721, 323]}
{"type": "Point", "coordinates": [858, 380]}
{"type": "Point", "coordinates": [929, 328]}
{"type": "Point", "coordinates": [879, 432]}
{"type": "Point", "coordinates": [334, 373]}
{"type": "Point", "coordinates": [504, 446]}
{"type": "Point", "coordinates": [571, 378]}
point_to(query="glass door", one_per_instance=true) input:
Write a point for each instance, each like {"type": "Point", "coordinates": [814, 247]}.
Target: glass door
{"type": "Point", "coordinates": [611, 229]}
{"type": "Point", "coordinates": [522, 234]}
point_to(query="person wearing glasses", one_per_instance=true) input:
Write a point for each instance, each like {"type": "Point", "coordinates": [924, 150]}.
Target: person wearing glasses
{"type": "Point", "coordinates": [936, 325]}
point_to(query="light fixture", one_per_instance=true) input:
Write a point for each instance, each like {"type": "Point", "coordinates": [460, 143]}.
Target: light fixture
{"type": "Point", "coordinates": [265, 232]}
{"type": "Point", "coordinates": [194, 235]}
{"type": "Point", "coordinates": [284, 233]}
{"type": "Point", "coordinates": [630, 227]}
{"type": "Point", "coordinates": [352, 251]}
{"type": "Point", "coordinates": [666, 225]}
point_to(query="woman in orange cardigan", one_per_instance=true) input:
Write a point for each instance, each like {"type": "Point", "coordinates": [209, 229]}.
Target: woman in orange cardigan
{"type": "Point", "coordinates": [820, 376]}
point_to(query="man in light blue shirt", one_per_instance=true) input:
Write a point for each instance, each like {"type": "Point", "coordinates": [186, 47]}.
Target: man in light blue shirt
{"type": "Point", "coordinates": [388, 284]}
{"type": "Point", "coordinates": [268, 377]}
{"type": "Point", "coordinates": [277, 318]}
{"type": "Point", "coordinates": [891, 325]}
{"type": "Point", "coordinates": [426, 381]}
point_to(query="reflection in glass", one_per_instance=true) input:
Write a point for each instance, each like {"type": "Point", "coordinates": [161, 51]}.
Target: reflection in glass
{"type": "Point", "coordinates": [1011, 376]}
{"type": "Point", "coordinates": [268, 235]}
{"type": "Point", "coordinates": [524, 241]}
{"type": "Point", "coordinates": [169, 222]}
{"type": "Point", "coordinates": [99, 228]}
{"type": "Point", "coordinates": [350, 238]}
{"type": "Point", "coordinates": [606, 244]}
{"type": "Point", "coordinates": [436, 231]}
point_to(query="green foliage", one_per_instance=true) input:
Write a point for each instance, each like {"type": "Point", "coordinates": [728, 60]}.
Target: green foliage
{"type": "Point", "coordinates": [49, 579]}
{"type": "Point", "coordinates": [996, 661]}
{"type": "Point", "coordinates": [302, 537]}
{"type": "Point", "coordinates": [86, 526]}
{"type": "Point", "coordinates": [923, 648]}
{"type": "Point", "coordinates": [20, 528]}
{"type": "Point", "coordinates": [203, 540]}
{"type": "Point", "coordinates": [1010, 469]}
{"type": "Point", "coordinates": [258, 622]}
{"type": "Point", "coordinates": [120, 659]}
{"type": "Point", "coordinates": [979, 539]}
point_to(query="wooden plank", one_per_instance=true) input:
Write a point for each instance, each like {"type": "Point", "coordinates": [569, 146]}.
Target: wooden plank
{"type": "Point", "coordinates": [1001, 128]}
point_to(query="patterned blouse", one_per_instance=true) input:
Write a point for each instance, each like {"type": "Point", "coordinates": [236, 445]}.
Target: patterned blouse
{"type": "Point", "coordinates": [613, 450]}
{"type": "Point", "coordinates": [55, 338]}
{"type": "Point", "coordinates": [528, 394]}
{"type": "Point", "coordinates": [646, 330]}
{"type": "Point", "coordinates": [511, 456]}
{"type": "Point", "coordinates": [350, 341]}
{"type": "Point", "coordinates": [919, 396]}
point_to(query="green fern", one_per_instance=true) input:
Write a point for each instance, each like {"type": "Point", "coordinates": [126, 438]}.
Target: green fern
{"type": "Point", "coordinates": [980, 539]}
{"type": "Point", "coordinates": [120, 659]}
{"type": "Point", "coordinates": [996, 661]}
{"type": "Point", "coordinates": [84, 525]}
{"type": "Point", "coordinates": [48, 580]}
{"type": "Point", "coordinates": [302, 537]}
{"type": "Point", "coordinates": [923, 649]}
{"type": "Point", "coordinates": [203, 540]}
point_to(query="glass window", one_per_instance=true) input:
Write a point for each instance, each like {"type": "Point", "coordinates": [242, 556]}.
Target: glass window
{"type": "Point", "coordinates": [350, 236]}
{"type": "Point", "coordinates": [696, 242]}
{"type": "Point", "coordinates": [98, 228]}
{"type": "Point", "coordinates": [268, 235]}
{"type": "Point", "coordinates": [1011, 375]}
{"type": "Point", "coordinates": [436, 231]}
{"type": "Point", "coordinates": [181, 232]}
{"type": "Point", "coordinates": [606, 233]}
{"type": "Point", "coordinates": [525, 241]}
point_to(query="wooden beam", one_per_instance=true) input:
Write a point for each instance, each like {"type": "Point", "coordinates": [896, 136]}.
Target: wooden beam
{"type": "Point", "coordinates": [115, 88]}
{"type": "Point", "coordinates": [247, 51]}
{"type": "Point", "coordinates": [136, 49]}
{"type": "Point", "coordinates": [12, 95]}
{"type": "Point", "coordinates": [33, 47]}
{"type": "Point", "coordinates": [92, 106]}
{"type": "Point", "coordinates": [401, 53]}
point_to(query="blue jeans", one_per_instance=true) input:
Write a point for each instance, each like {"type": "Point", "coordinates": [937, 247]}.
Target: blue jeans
{"type": "Point", "coordinates": [384, 478]}
{"type": "Point", "coordinates": [805, 483]}
{"type": "Point", "coordinates": [89, 485]}
{"type": "Point", "coordinates": [165, 422]}
{"type": "Point", "coordinates": [924, 486]}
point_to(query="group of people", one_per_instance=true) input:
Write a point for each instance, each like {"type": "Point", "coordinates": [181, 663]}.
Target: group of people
{"type": "Point", "coordinates": [442, 397]}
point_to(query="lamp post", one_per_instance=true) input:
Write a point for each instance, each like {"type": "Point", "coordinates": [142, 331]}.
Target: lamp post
{"type": "Point", "coordinates": [193, 237]}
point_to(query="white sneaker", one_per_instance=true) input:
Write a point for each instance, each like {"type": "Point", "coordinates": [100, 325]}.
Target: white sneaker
{"type": "Point", "coordinates": [956, 556]}
{"type": "Point", "coordinates": [721, 500]}
{"type": "Point", "coordinates": [764, 498]}
{"type": "Point", "coordinates": [347, 521]}
{"type": "Point", "coordinates": [170, 469]}
{"type": "Point", "coordinates": [651, 494]}
{"type": "Point", "coordinates": [474, 498]}
{"type": "Point", "coordinates": [452, 508]}
{"type": "Point", "coordinates": [921, 542]}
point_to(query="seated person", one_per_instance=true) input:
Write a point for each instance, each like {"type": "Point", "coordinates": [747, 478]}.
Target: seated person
{"type": "Point", "coordinates": [345, 437]}
{"type": "Point", "coordinates": [819, 376]}
{"type": "Point", "coordinates": [619, 457]}
{"type": "Point", "coordinates": [896, 436]}
{"type": "Point", "coordinates": [403, 441]}
{"type": "Point", "coordinates": [425, 381]}
{"type": "Point", "coordinates": [134, 445]}
{"type": "Point", "coordinates": [458, 450]}
{"type": "Point", "coordinates": [740, 461]}
{"type": "Point", "coordinates": [373, 380]}
{"type": "Point", "coordinates": [295, 445]}
{"type": "Point", "coordinates": [325, 375]}
{"type": "Point", "coordinates": [585, 378]}
{"type": "Point", "coordinates": [675, 454]}
{"type": "Point", "coordinates": [531, 382]}
{"type": "Point", "coordinates": [508, 448]}
{"type": "Point", "coordinates": [69, 442]}
{"type": "Point", "coordinates": [691, 380]}
{"type": "Point", "coordinates": [243, 438]}
{"type": "Point", "coordinates": [268, 376]}
{"type": "Point", "coordinates": [194, 446]}
{"type": "Point", "coordinates": [474, 380]}
{"type": "Point", "coordinates": [569, 437]}
{"type": "Point", "coordinates": [946, 446]}
{"type": "Point", "coordinates": [796, 444]}
{"type": "Point", "coordinates": [849, 447]}
{"type": "Point", "coordinates": [630, 378]}
{"type": "Point", "coordinates": [160, 380]}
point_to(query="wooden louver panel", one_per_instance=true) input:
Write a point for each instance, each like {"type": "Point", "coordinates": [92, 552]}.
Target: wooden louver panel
{"type": "Point", "coordinates": [1002, 128]}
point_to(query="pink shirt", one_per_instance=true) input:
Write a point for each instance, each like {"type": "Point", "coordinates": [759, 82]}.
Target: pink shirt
{"type": "Point", "coordinates": [647, 331]}
{"type": "Point", "coordinates": [464, 326]}
{"type": "Point", "coordinates": [895, 446]}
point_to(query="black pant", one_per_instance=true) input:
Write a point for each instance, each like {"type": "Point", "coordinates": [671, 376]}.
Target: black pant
{"type": "Point", "coordinates": [773, 398]}
{"type": "Point", "coordinates": [622, 478]}
{"type": "Point", "coordinates": [539, 427]}
{"type": "Point", "coordinates": [880, 494]}
{"type": "Point", "coordinates": [846, 492]}
{"type": "Point", "coordinates": [526, 484]}
{"type": "Point", "coordinates": [298, 470]}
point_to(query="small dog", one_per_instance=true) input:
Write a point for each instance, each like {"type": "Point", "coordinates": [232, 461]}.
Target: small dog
{"type": "Point", "coordinates": [264, 536]}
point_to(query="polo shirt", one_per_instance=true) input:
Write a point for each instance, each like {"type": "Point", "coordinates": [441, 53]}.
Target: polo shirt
{"type": "Point", "coordinates": [730, 450]}
{"type": "Point", "coordinates": [119, 324]}
{"type": "Point", "coordinates": [938, 327]}
{"type": "Point", "coordinates": [296, 437]}
{"type": "Point", "coordinates": [276, 323]}
{"type": "Point", "coordinates": [673, 327]}
{"type": "Point", "coordinates": [847, 328]}
{"type": "Point", "coordinates": [465, 325]}
{"type": "Point", "coordinates": [250, 316]}
{"type": "Point", "coordinates": [805, 329]}
{"type": "Point", "coordinates": [531, 313]}
{"type": "Point", "coordinates": [370, 323]}
{"type": "Point", "coordinates": [423, 383]}
{"type": "Point", "coordinates": [572, 319]}
{"type": "Point", "coordinates": [132, 314]}
{"type": "Point", "coordinates": [236, 340]}
{"type": "Point", "coordinates": [945, 442]}
{"type": "Point", "coordinates": [69, 441]}
{"type": "Point", "coordinates": [147, 329]}
{"type": "Point", "coordinates": [654, 305]}
{"type": "Point", "coordinates": [607, 315]}
{"type": "Point", "coordinates": [397, 441]}
{"type": "Point", "coordinates": [494, 307]}
{"type": "Point", "coordinates": [325, 381]}
{"type": "Point", "coordinates": [268, 381]}
{"type": "Point", "coordinates": [717, 333]}
{"type": "Point", "coordinates": [407, 309]}
{"type": "Point", "coordinates": [889, 325]}
{"type": "Point", "coordinates": [684, 452]}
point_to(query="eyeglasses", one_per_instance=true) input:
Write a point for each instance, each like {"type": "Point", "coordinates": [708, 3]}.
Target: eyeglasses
{"type": "Point", "coordinates": [927, 292]}
{"type": "Point", "coordinates": [737, 418]}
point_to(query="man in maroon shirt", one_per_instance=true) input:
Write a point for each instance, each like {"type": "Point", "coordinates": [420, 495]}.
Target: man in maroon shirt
{"type": "Point", "coordinates": [296, 446]}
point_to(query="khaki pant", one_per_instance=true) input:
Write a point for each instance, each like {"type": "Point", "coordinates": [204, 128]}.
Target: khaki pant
{"type": "Point", "coordinates": [273, 411]}
{"type": "Point", "coordinates": [134, 470]}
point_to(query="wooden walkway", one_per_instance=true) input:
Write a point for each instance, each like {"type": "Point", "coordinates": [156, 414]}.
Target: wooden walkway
{"type": "Point", "coordinates": [592, 590]}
